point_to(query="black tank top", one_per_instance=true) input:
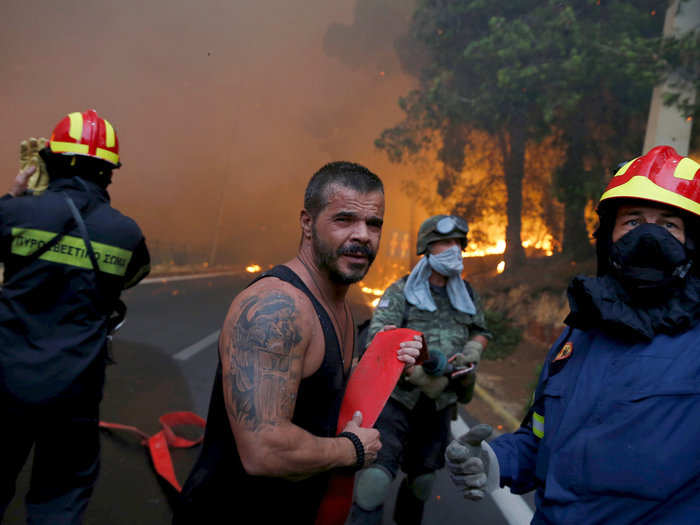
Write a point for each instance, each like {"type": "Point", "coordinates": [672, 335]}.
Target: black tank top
{"type": "Point", "coordinates": [218, 490]}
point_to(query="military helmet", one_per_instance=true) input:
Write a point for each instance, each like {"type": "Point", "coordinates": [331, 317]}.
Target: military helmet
{"type": "Point", "coordinates": [441, 227]}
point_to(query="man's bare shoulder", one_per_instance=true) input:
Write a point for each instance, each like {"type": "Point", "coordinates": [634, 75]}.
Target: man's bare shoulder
{"type": "Point", "coordinates": [270, 283]}
{"type": "Point", "coordinates": [262, 348]}
{"type": "Point", "coordinates": [275, 305]}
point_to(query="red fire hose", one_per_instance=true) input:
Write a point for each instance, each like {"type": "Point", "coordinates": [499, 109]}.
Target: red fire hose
{"type": "Point", "coordinates": [159, 444]}
{"type": "Point", "coordinates": [368, 390]}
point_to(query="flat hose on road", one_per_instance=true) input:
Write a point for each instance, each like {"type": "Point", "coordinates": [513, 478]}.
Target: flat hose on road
{"type": "Point", "coordinates": [159, 443]}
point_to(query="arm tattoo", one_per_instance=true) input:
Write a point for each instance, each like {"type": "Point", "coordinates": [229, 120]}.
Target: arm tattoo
{"type": "Point", "coordinates": [261, 344]}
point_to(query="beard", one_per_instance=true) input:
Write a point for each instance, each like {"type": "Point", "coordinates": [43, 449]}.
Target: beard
{"type": "Point", "coordinates": [327, 259]}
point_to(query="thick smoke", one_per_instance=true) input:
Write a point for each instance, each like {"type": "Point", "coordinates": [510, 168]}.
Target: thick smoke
{"type": "Point", "coordinates": [369, 42]}
{"type": "Point", "coordinates": [222, 108]}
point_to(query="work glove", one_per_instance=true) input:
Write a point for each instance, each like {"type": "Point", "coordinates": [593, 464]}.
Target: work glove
{"type": "Point", "coordinates": [472, 463]}
{"type": "Point", "coordinates": [29, 156]}
{"type": "Point", "coordinates": [431, 385]}
{"type": "Point", "coordinates": [464, 366]}
{"type": "Point", "coordinates": [471, 353]}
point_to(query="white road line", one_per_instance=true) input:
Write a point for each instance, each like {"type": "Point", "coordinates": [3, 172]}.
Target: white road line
{"type": "Point", "coordinates": [173, 278]}
{"type": "Point", "coordinates": [197, 347]}
{"type": "Point", "coordinates": [515, 509]}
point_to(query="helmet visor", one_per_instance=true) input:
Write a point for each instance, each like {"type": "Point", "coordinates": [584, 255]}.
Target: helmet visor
{"type": "Point", "coordinates": [451, 223]}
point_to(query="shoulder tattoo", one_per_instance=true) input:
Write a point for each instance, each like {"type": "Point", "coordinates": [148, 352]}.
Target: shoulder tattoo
{"type": "Point", "coordinates": [263, 370]}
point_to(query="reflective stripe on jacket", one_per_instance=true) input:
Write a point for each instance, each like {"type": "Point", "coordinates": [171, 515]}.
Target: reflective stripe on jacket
{"type": "Point", "coordinates": [54, 309]}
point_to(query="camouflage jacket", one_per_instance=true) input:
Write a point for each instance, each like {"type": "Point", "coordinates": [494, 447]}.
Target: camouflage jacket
{"type": "Point", "coordinates": [446, 330]}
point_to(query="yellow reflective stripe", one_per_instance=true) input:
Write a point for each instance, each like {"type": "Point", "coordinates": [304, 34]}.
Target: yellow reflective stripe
{"type": "Point", "coordinates": [109, 134]}
{"type": "Point", "coordinates": [686, 169]}
{"type": "Point", "coordinates": [642, 188]}
{"type": "Point", "coordinates": [107, 155]}
{"type": "Point", "coordinates": [538, 425]}
{"type": "Point", "coordinates": [68, 147]}
{"type": "Point", "coordinates": [76, 125]}
{"type": "Point", "coordinates": [624, 168]}
{"type": "Point", "coordinates": [143, 271]}
{"type": "Point", "coordinates": [70, 251]}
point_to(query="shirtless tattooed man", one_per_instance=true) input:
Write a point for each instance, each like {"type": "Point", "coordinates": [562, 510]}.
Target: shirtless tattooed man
{"type": "Point", "coordinates": [284, 359]}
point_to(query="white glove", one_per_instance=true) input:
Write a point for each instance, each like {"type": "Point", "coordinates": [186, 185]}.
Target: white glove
{"type": "Point", "coordinates": [472, 463]}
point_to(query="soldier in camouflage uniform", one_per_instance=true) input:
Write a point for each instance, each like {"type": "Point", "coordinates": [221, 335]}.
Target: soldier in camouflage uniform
{"type": "Point", "coordinates": [415, 422]}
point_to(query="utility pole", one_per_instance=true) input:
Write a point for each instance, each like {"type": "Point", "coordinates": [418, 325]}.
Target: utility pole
{"type": "Point", "coordinates": [412, 236]}
{"type": "Point", "coordinates": [666, 125]}
{"type": "Point", "coordinates": [217, 228]}
{"type": "Point", "coordinates": [222, 197]}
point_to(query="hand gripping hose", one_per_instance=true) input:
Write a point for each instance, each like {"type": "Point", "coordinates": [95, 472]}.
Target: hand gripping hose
{"type": "Point", "coordinates": [368, 390]}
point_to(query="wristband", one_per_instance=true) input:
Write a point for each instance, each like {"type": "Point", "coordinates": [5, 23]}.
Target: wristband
{"type": "Point", "coordinates": [359, 448]}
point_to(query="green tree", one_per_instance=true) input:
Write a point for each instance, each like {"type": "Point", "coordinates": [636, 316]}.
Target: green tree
{"type": "Point", "coordinates": [606, 78]}
{"type": "Point", "coordinates": [522, 70]}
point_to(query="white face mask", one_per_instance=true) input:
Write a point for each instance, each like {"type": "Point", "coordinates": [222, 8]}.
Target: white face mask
{"type": "Point", "coordinates": [447, 263]}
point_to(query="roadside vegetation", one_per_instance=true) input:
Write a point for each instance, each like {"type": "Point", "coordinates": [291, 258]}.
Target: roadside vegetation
{"type": "Point", "coordinates": [525, 312]}
{"type": "Point", "coordinates": [506, 335]}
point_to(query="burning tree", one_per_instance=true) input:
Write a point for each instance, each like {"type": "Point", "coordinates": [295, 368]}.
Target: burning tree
{"type": "Point", "coordinates": [504, 76]}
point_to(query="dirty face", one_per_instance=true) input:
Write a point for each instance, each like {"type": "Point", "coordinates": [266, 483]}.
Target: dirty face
{"type": "Point", "coordinates": [346, 233]}
{"type": "Point", "coordinates": [629, 216]}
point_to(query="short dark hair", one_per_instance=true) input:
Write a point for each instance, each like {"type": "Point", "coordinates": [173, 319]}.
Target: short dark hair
{"type": "Point", "coordinates": [67, 166]}
{"type": "Point", "coordinates": [342, 173]}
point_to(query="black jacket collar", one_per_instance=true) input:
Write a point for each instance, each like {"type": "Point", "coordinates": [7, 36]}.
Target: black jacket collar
{"type": "Point", "coordinates": [79, 184]}
{"type": "Point", "coordinates": [601, 302]}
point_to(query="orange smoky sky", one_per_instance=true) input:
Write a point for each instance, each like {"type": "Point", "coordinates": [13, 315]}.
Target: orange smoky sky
{"type": "Point", "coordinates": [227, 105]}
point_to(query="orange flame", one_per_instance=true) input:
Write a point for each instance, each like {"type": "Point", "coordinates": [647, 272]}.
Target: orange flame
{"type": "Point", "coordinates": [375, 294]}
{"type": "Point", "coordinates": [253, 268]}
{"type": "Point", "coordinates": [474, 250]}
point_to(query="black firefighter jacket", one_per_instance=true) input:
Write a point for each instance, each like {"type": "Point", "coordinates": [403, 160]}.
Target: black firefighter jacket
{"type": "Point", "coordinates": [54, 309]}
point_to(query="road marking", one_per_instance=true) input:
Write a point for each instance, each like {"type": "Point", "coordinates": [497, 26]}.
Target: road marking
{"type": "Point", "coordinates": [173, 278]}
{"type": "Point", "coordinates": [514, 508]}
{"type": "Point", "coordinates": [197, 347]}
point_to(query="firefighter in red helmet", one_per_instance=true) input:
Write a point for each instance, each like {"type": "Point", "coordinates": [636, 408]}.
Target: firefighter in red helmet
{"type": "Point", "coordinates": [613, 430]}
{"type": "Point", "coordinates": [68, 255]}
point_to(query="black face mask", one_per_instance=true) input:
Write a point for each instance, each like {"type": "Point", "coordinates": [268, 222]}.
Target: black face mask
{"type": "Point", "coordinates": [649, 262]}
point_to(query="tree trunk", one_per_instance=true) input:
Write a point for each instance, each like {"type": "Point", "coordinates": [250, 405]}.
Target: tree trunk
{"type": "Point", "coordinates": [571, 179]}
{"type": "Point", "coordinates": [514, 170]}
{"type": "Point", "coordinates": [576, 244]}
{"type": "Point", "coordinates": [452, 156]}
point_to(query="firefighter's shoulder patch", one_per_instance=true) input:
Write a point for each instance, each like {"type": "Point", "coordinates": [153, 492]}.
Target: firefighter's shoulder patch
{"type": "Point", "coordinates": [384, 303]}
{"type": "Point", "coordinates": [565, 351]}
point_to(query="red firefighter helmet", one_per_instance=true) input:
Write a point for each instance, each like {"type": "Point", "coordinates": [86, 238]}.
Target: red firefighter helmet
{"type": "Point", "coordinates": [86, 134]}
{"type": "Point", "coordinates": [661, 175]}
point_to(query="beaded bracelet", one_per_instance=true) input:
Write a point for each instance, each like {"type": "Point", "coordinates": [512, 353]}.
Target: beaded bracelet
{"type": "Point", "coordinates": [359, 448]}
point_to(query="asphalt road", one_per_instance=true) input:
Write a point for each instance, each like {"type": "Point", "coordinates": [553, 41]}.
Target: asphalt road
{"type": "Point", "coordinates": [166, 357]}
